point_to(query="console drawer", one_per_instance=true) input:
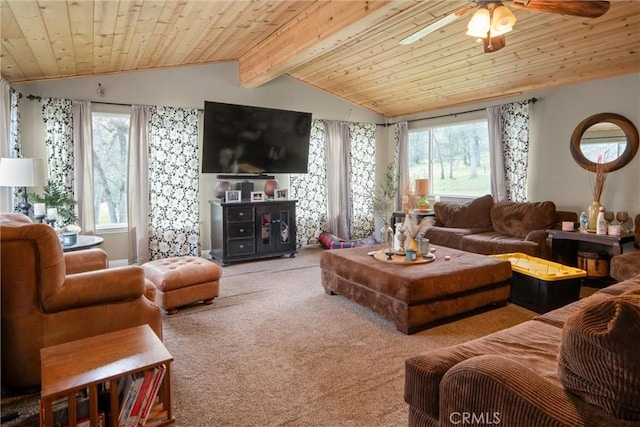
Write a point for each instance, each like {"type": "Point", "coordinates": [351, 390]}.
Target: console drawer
{"type": "Point", "coordinates": [241, 247]}
{"type": "Point", "coordinates": [240, 214]}
{"type": "Point", "coordinates": [240, 230]}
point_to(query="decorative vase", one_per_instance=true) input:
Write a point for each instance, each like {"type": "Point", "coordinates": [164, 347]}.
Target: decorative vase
{"type": "Point", "coordinates": [385, 232]}
{"type": "Point", "coordinates": [221, 188]}
{"type": "Point", "coordinates": [592, 216]}
{"type": "Point", "coordinates": [270, 187]}
{"type": "Point", "coordinates": [401, 238]}
{"type": "Point", "coordinates": [386, 236]}
{"type": "Point", "coordinates": [413, 244]}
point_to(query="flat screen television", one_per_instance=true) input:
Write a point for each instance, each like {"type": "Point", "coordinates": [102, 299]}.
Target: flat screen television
{"type": "Point", "coordinates": [239, 139]}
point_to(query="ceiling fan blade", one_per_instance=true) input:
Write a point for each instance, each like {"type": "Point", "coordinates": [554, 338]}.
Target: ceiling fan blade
{"type": "Point", "coordinates": [585, 9]}
{"type": "Point", "coordinates": [436, 25]}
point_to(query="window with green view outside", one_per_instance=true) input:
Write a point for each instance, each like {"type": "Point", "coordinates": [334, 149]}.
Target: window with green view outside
{"type": "Point", "coordinates": [454, 157]}
{"type": "Point", "coordinates": [110, 151]}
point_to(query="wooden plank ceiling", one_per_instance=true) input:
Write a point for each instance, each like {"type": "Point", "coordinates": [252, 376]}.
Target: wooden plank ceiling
{"type": "Point", "coordinates": [347, 48]}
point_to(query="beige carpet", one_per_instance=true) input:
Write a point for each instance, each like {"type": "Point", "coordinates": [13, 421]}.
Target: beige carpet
{"type": "Point", "coordinates": [275, 350]}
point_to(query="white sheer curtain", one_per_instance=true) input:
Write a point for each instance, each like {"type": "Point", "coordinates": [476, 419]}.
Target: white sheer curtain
{"type": "Point", "coordinates": [402, 165]}
{"type": "Point", "coordinates": [6, 197]}
{"type": "Point", "coordinates": [83, 171]}
{"type": "Point", "coordinates": [138, 185]}
{"type": "Point", "coordinates": [338, 178]}
{"type": "Point", "coordinates": [496, 149]}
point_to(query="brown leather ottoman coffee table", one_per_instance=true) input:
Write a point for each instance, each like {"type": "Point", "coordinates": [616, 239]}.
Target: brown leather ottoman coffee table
{"type": "Point", "coordinates": [413, 296]}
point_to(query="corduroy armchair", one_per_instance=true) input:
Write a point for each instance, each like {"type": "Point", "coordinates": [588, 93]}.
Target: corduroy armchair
{"type": "Point", "coordinates": [627, 265]}
{"type": "Point", "coordinates": [51, 297]}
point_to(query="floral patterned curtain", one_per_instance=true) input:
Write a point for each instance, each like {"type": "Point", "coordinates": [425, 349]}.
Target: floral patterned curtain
{"type": "Point", "coordinates": [58, 120]}
{"type": "Point", "coordinates": [310, 190]}
{"type": "Point", "coordinates": [15, 144]}
{"type": "Point", "coordinates": [363, 169]}
{"type": "Point", "coordinates": [173, 182]}
{"type": "Point", "coordinates": [515, 139]}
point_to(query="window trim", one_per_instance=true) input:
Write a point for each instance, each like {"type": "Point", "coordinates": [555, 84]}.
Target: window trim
{"type": "Point", "coordinates": [442, 121]}
{"type": "Point", "coordinates": [109, 109]}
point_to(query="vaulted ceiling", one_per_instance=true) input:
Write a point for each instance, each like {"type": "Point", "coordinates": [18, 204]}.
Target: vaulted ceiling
{"type": "Point", "coordinates": [347, 48]}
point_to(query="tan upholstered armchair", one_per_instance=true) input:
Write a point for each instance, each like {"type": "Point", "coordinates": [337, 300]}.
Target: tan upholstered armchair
{"type": "Point", "coordinates": [50, 297]}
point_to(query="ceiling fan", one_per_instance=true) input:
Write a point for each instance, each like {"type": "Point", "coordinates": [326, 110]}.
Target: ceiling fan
{"type": "Point", "coordinates": [492, 19]}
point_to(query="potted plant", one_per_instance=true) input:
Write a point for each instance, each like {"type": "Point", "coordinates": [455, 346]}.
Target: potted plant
{"type": "Point", "coordinates": [54, 196]}
{"type": "Point", "coordinates": [384, 201]}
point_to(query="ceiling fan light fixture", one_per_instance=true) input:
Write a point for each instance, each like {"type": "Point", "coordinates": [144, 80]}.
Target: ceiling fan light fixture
{"type": "Point", "coordinates": [502, 20]}
{"type": "Point", "coordinates": [480, 23]}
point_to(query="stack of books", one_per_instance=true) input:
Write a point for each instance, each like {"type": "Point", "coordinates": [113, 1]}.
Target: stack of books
{"type": "Point", "coordinates": [136, 395]}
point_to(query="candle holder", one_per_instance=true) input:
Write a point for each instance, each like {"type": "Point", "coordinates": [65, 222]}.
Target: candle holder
{"type": "Point", "coordinates": [51, 221]}
{"type": "Point", "coordinates": [39, 218]}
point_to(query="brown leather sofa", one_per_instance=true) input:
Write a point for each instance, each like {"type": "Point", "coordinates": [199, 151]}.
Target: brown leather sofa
{"type": "Point", "coordinates": [487, 227]}
{"type": "Point", "coordinates": [51, 297]}
{"type": "Point", "coordinates": [576, 366]}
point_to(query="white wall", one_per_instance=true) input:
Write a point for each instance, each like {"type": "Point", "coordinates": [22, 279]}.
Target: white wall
{"type": "Point", "coordinates": [186, 87]}
{"type": "Point", "coordinates": [553, 174]}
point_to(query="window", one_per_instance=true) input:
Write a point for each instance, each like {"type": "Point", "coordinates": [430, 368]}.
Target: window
{"type": "Point", "coordinates": [454, 157]}
{"type": "Point", "coordinates": [110, 151]}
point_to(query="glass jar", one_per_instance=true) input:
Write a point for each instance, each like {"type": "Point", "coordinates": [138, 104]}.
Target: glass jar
{"type": "Point", "coordinates": [423, 246]}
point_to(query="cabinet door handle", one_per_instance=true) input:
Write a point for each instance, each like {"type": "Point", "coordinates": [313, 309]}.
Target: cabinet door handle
{"type": "Point", "coordinates": [275, 221]}
{"type": "Point", "coordinates": [241, 214]}
{"type": "Point", "coordinates": [242, 230]}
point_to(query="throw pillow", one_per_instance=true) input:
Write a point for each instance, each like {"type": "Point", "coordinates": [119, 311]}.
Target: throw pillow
{"type": "Point", "coordinates": [473, 214]}
{"type": "Point", "coordinates": [519, 219]}
{"type": "Point", "coordinates": [598, 358]}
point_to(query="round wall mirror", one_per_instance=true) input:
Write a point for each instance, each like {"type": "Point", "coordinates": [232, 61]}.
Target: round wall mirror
{"type": "Point", "coordinates": [606, 137]}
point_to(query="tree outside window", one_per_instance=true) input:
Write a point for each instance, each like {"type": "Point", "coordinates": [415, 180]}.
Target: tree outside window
{"type": "Point", "coordinates": [110, 148]}
{"type": "Point", "coordinates": [455, 158]}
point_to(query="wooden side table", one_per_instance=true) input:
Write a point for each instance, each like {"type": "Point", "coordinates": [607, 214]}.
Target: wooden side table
{"type": "Point", "coordinates": [565, 245]}
{"type": "Point", "coordinates": [84, 364]}
{"type": "Point", "coordinates": [398, 216]}
{"type": "Point", "coordinates": [84, 242]}
{"type": "Point", "coordinates": [613, 243]}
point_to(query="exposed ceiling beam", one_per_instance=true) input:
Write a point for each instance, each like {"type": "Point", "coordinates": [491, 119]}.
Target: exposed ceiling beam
{"type": "Point", "coordinates": [323, 26]}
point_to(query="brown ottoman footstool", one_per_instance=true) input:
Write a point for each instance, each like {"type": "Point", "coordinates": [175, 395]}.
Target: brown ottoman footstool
{"type": "Point", "coordinates": [183, 280]}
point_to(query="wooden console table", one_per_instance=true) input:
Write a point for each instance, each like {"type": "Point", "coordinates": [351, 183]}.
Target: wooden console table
{"type": "Point", "coordinates": [398, 216]}
{"type": "Point", "coordinates": [103, 359]}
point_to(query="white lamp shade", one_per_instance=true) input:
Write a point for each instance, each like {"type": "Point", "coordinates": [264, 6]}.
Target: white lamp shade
{"type": "Point", "coordinates": [21, 172]}
{"type": "Point", "coordinates": [479, 24]}
{"type": "Point", "coordinates": [502, 21]}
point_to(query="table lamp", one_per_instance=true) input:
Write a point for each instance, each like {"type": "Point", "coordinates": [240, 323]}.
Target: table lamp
{"type": "Point", "coordinates": [21, 172]}
{"type": "Point", "coordinates": [422, 189]}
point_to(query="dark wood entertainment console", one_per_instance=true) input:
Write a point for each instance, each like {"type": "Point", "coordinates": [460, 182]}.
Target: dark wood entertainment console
{"type": "Point", "coordinates": [242, 231]}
